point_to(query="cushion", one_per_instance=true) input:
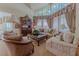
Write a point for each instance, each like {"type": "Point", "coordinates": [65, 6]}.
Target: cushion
{"type": "Point", "coordinates": [61, 36]}
{"type": "Point", "coordinates": [55, 31]}
{"type": "Point", "coordinates": [76, 41]}
{"type": "Point", "coordinates": [68, 37]}
{"type": "Point", "coordinates": [13, 35]}
{"type": "Point", "coordinates": [57, 38]}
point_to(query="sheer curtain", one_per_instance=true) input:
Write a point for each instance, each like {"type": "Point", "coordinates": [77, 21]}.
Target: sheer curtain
{"type": "Point", "coordinates": [42, 23]}
{"type": "Point", "coordinates": [45, 24]}
{"type": "Point", "coordinates": [55, 23]}
{"type": "Point", "coordinates": [39, 24]}
{"type": "Point", "coordinates": [60, 24]}
{"type": "Point", "coordinates": [63, 26]}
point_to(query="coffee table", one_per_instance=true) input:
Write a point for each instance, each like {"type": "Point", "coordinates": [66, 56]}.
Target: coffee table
{"type": "Point", "coordinates": [39, 38]}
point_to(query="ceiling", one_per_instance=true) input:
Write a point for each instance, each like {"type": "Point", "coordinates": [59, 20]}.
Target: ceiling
{"type": "Point", "coordinates": [36, 6]}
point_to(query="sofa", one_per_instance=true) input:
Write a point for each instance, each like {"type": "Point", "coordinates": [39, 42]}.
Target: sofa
{"type": "Point", "coordinates": [60, 46]}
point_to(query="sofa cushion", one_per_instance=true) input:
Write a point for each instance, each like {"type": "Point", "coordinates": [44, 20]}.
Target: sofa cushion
{"type": "Point", "coordinates": [13, 35]}
{"type": "Point", "coordinates": [68, 37]}
{"type": "Point", "coordinates": [76, 41]}
{"type": "Point", "coordinates": [61, 36]}
{"type": "Point", "coordinates": [57, 38]}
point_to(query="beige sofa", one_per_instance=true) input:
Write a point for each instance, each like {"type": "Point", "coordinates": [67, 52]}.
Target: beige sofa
{"type": "Point", "coordinates": [62, 48]}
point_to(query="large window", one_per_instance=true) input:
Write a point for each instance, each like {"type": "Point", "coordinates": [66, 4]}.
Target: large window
{"type": "Point", "coordinates": [60, 24]}
{"type": "Point", "coordinates": [42, 23]}
{"type": "Point", "coordinates": [50, 9]}
{"type": "Point", "coordinates": [8, 26]}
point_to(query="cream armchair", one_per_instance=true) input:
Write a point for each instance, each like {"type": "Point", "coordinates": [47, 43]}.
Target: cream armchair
{"type": "Point", "coordinates": [61, 48]}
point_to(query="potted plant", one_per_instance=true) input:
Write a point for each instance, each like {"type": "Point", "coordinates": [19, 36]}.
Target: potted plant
{"type": "Point", "coordinates": [36, 32]}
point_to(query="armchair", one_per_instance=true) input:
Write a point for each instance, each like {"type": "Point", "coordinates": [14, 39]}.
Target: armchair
{"type": "Point", "coordinates": [20, 48]}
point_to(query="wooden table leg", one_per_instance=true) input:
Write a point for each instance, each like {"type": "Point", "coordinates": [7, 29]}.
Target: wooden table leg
{"type": "Point", "coordinates": [38, 43]}
{"type": "Point", "coordinates": [33, 49]}
{"type": "Point", "coordinates": [46, 37]}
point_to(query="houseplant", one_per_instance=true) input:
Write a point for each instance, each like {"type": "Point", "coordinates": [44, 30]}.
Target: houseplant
{"type": "Point", "coordinates": [36, 32]}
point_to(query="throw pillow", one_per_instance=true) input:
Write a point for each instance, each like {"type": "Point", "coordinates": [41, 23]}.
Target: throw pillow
{"type": "Point", "coordinates": [68, 37]}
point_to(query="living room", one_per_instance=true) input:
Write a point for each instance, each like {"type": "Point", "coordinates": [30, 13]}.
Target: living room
{"type": "Point", "coordinates": [39, 29]}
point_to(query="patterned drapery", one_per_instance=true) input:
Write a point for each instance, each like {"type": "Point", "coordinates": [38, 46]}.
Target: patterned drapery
{"type": "Point", "coordinates": [69, 12]}
{"type": "Point", "coordinates": [70, 18]}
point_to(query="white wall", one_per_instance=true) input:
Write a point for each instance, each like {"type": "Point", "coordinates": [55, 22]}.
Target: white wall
{"type": "Point", "coordinates": [18, 9]}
